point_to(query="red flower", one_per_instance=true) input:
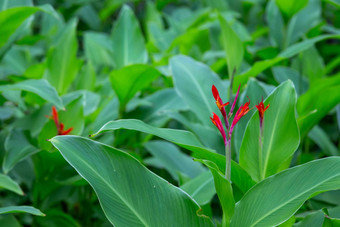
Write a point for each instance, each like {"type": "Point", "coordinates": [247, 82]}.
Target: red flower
{"type": "Point", "coordinates": [243, 110]}
{"type": "Point", "coordinates": [234, 103]}
{"type": "Point", "coordinates": [218, 123]}
{"type": "Point", "coordinates": [60, 126]}
{"type": "Point", "coordinates": [261, 109]}
{"type": "Point", "coordinates": [219, 101]}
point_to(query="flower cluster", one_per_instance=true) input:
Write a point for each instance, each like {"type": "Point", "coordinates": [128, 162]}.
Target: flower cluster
{"type": "Point", "coordinates": [243, 110]}
{"type": "Point", "coordinates": [60, 126]}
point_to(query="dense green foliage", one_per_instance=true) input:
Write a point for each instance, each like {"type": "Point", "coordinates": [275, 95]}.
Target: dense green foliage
{"type": "Point", "coordinates": [137, 77]}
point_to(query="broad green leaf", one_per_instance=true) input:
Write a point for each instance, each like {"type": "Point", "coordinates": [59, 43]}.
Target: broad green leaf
{"type": "Point", "coordinates": [255, 92]}
{"type": "Point", "coordinates": [187, 140]}
{"type": "Point", "coordinates": [9, 220]}
{"type": "Point", "coordinates": [290, 7]}
{"type": "Point", "coordinates": [89, 100]}
{"type": "Point", "coordinates": [97, 46]}
{"type": "Point", "coordinates": [17, 148]}
{"type": "Point", "coordinates": [20, 209]}
{"type": "Point", "coordinates": [162, 102]}
{"type": "Point", "coordinates": [62, 62]}
{"type": "Point", "coordinates": [315, 219]}
{"type": "Point", "coordinates": [193, 42]}
{"type": "Point", "coordinates": [303, 21]}
{"type": "Point", "coordinates": [193, 81]}
{"type": "Point", "coordinates": [275, 23]}
{"type": "Point", "coordinates": [331, 222]}
{"type": "Point", "coordinates": [108, 113]}
{"type": "Point", "coordinates": [127, 81]}
{"type": "Point", "coordinates": [224, 192]}
{"type": "Point", "coordinates": [7, 183]}
{"type": "Point", "coordinates": [277, 198]}
{"type": "Point", "coordinates": [280, 134]}
{"type": "Point", "coordinates": [113, 173]}
{"type": "Point", "coordinates": [320, 137]}
{"type": "Point", "coordinates": [291, 51]}
{"type": "Point", "coordinates": [233, 47]}
{"type": "Point", "coordinates": [56, 218]}
{"type": "Point", "coordinates": [257, 68]}
{"type": "Point", "coordinates": [312, 64]}
{"type": "Point", "coordinates": [281, 74]}
{"type": "Point", "coordinates": [40, 87]}
{"type": "Point", "coordinates": [334, 2]}
{"type": "Point", "coordinates": [316, 102]}
{"type": "Point", "coordinates": [11, 19]}
{"type": "Point", "coordinates": [86, 79]}
{"type": "Point", "coordinates": [201, 188]}
{"type": "Point", "coordinates": [128, 42]}
{"type": "Point", "coordinates": [173, 159]}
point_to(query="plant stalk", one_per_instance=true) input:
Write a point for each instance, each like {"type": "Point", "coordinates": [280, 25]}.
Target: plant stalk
{"type": "Point", "coordinates": [228, 160]}
{"type": "Point", "coordinates": [260, 152]}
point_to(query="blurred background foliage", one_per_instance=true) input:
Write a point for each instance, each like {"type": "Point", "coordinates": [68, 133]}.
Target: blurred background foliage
{"type": "Point", "coordinates": [111, 59]}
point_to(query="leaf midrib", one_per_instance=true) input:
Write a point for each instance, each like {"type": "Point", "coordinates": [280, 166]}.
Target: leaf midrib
{"type": "Point", "coordinates": [293, 198]}
{"type": "Point", "coordinates": [197, 85]}
{"type": "Point", "coordinates": [119, 195]}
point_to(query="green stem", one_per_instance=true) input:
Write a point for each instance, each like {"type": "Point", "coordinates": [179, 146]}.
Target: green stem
{"type": "Point", "coordinates": [228, 160]}
{"type": "Point", "coordinates": [225, 221]}
{"type": "Point", "coordinates": [260, 152]}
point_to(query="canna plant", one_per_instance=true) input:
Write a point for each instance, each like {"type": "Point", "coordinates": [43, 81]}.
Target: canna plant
{"type": "Point", "coordinates": [153, 66]}
{"type": "Point", "coordinates": [131, 195]}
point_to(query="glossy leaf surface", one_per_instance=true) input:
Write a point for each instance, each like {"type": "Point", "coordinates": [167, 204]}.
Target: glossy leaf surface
{"type": "Point", "coordinates": [113, 174]}
{"type": "Point", "coordinates": [127, 40]}
{"type": "Point", "coordinates": [275, 199]}
{"type": "Point", "coordinates": [280, 134]}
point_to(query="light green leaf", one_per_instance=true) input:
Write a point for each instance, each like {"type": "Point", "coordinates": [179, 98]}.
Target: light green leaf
{"type": "Point", "coordinates": [320, 137]}
{"type": "Point", "coordinates": [290, 7]}
{"type": "Point", "coordinates": [127, 81]}
{"type": "Point", "coordinates": [303, 21]}
{"type": "Point", "coordinates": [331, 222]}
{"type": "Point", "coordinates": [255, 92]}
{"type": "Point", "coordinates": [89, 100]}
{"type": "Point", "coordinates": [291, 51]}
{"type": "Point", "coordinates": [9, 220]}
{"type": "Point", "coordinates": [312, 64]}
{"type": "Point", "coordinates": [17, 148]}
{"type": "Point", "coordinates": [162, 102]}
{"type": "Point", "coordinates": [56, 218]}
{"type": "Point", "coordinates": [11, 19]}
{"type": "Point", "coordinates": [187, 140]}
{"type": "Point", "coordinates": [312, 219]}
{"type": "Point", "coordinates": [97, 46]}
{"type": "Point", "coordinates": [281, 74]}
{"type": "Point", "coordinates": [128, 42]}
{"type": "Point", "coordinates": [40, 87]}
{"type": "Point", "coordinates": [113, 173]}
{"type": "Point", "coordinates": [275, 23]}
{"type": "Point", "coordinates": [7, 183]}
{"type": "Point", "coordinates": [277, 198]}
{"type": "Point", "coordinates": [224, 192]}
{"type": "Point", "coordinates": [193, 81]}
{"type": "Point", "coordinates": [280, 134]}
{"type": "Point", "coordinates": [20, 209]}
{"type": "Point", "coordinates": [233, 47]}
{"type": "Point", "coordinates": [316, 102]}
{"type": "Point", "coordinates": [62, 62]}
{"type": "Point", "coordinates": [201, 188]}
